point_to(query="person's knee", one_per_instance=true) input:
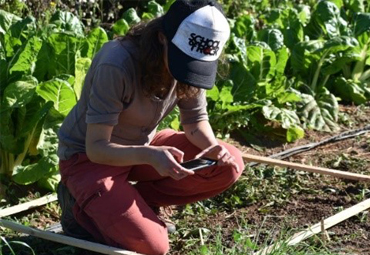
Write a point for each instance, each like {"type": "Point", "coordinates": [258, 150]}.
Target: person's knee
{"type": "Point", "coordinates": [232, 174]}
{"type": "Point", "coordinates": [159, 248]}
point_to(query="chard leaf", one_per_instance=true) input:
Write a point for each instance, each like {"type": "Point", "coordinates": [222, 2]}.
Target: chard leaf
{"type": "Point", "coordinates": [225, 95]}
{"type": "Point", "coordinates": [154, 10]}
{"type": "Point", "coordinates": [65, 48]}
{"type": "Point", "coordinates": [303, 60]}
{"type": "Point", "coordinates": [68, 22]}
{"type": "Point", "coordinates": [60, 93]}
{"type": "Point", "coordinates": [131, 16]}
{"type": "Point", "coordinates": [244, 82]}
{"type": "Point", "coordinates": [46, 142]}
{"type": "Point", "coordinates": [285, 117]}
{"type": "Point", "coordinates": [294, 133]}
{"type": "Point", "coordinates": [82, 66]}
{"type": "Point", "coordinates": [213, 94]}
{"type": "Point", "coordinates": [17, 33]}
{"type": "Point", "coordinates": [120, 27]}
{"type": "Point", "coordinates": [326, 20]}
{"type": "Point", "coordinates": [244, 27]}
{"type": "Point", "coordinates": [320, 113]}
{"type": "Point", "coordinates": [95, 40]}
{"type": "Point", "coordinates": [26, 59]}
{"type": "Point", "coordinates": [282, 57]}
{"type": "Point", "coordinates": [50, 182]}
{"type": "Point", "coordinates": [351, 91]}
{"type": "Point", "coordinates": [31, 173]}
{"type": "Point", "coordinates": [261, 63]}
{"type": "Point", "coordinates": [340, 43]}
{"type": "Point", "coordinates": [7, 20]}
{"type": "Point", "coordinates": [46, 64]}
{"type": "Point", "coordinates": [19, 93]}
{"type": "Point", "coordinates": [273, 37]}
{"type": "Point", "coordinates": [356, 5]}
{"type": "Point", "coordinates": [362, 23]}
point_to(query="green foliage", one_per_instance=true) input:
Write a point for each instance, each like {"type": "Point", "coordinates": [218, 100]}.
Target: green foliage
{"type": "Point", "coordinates": [41, 79]}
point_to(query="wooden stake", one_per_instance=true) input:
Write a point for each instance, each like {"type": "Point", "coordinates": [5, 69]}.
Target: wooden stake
{"type": "Point", "coordinates": [25, 206]}
{"type": "Point", "coordinates": [328, 223]}
{"type": "Point", "coordinates": [312, 169]}
{"type": "Point", "coordinates": [65, 239]}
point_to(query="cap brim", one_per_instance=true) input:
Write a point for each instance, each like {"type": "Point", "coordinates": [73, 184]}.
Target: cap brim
{"type": "Point", "coordinates": [185, 69]}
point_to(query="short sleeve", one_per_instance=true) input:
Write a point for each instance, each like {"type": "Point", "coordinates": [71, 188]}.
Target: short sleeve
{"type": "Point", "coordinates": [106, 93]}
{"type": "Point", "coordinates": [193, 110]}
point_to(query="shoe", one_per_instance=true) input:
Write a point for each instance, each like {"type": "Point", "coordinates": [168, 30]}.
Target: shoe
{"type": "Point", "coordinates": [164, 215]}
{"type": "Point", "coordinates": [69, 224]}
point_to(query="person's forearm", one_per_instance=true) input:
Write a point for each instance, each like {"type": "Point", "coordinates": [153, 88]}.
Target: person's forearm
{"type": "Point", "coordinates": [105, 152]}
{"type": "Point", "coordinates": [200, 134]}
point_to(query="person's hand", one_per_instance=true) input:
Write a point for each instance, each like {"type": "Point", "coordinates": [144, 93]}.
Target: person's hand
{"type": "Point", "coordinates": [165, 160]}
{"type": "Point", "coordinates": [220, 153]}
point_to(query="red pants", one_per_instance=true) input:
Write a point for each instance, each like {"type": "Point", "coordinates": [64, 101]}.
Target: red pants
{"type": "Point", "coordinates": [119, 214]}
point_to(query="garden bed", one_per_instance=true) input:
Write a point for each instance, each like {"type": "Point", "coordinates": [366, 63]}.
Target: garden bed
{"type": "Point", "coordinates": [268, 204]}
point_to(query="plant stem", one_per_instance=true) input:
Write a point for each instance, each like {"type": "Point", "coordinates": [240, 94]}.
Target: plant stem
{"type": "Point", "coordinates": [317, 72]}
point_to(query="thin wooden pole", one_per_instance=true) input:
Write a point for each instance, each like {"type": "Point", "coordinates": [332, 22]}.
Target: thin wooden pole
{"type": "Point", "coordinates": [317, 228]}
{"type": "Point", "coordinates": [28, 205]}
{"type": "Point", "coordinates": [312, 169]}
{"type": "Point", "coordinates": [104, 249]}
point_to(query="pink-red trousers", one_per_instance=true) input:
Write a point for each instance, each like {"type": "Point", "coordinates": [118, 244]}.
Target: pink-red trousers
{"type": "Point", "coordinates": [118, 213]}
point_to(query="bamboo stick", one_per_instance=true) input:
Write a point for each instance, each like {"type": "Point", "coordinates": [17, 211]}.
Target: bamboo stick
{"type": "Point", "coordinates": [315, 229]}
{"type": "Point", "coordinates": [312, 169]}
{"type": "Point", "coordinates": [28, 205]}
{"type": "Point", "coordinates": [91, 246]}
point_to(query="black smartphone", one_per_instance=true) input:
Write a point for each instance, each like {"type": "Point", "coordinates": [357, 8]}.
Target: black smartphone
{"type": "Point", "coordinates": [198, 163]}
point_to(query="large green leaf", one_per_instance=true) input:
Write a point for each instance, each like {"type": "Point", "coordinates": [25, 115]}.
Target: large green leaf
{"type": "Point", "coordinates": [59, 92]}
{"type": "Point", "coordinates": [326, 21]}
{"type": "Point", "coordinates": [33, 172]}
{"type": "Point", "coordinates": [261, 63]}
{"type": "Point", "coordinates": [154, 10]}
{"type": "Point", "coordinates": [82, 66]}
{"type": "Point", "coordinates": [7, 20]}
{"type": "Point", "coordinates": [19, 93]}
{"type": "Point", "coordinates": [356, 5]}
{"type": "Point", "coordinates": [120, 27]}
{"type": "Point", "coordinates": [17, 33]}
{"type": "Point", "coordinates": [65, 47]}
{"type": "Point", "coordinates": [273, 37]}
{"type": "Point", "coordinates": [362, 23]}
{"type": "Point", "coordinates": [27, 57]}
{"type": "Point", "coordinates": [46, 62]}
{"type": "Point", "coordinates": [244, 27]}
{"type": "Point", "coordinates": [320, 113]}
{"type": "Point", "coordinates": [285, 117]}
{"type": "Point", "coordinates": [130, 15]}
{"type": "Point", "coordinates": [67, 22]}
{"type": "Point", "coordinates": [50, 181]}
{"type": "Point", "coordinates": [303, 60]}
{"type": "Point", "coordinates": [351, 91]}
{"type": "Point", "coordinates": [95, 40]}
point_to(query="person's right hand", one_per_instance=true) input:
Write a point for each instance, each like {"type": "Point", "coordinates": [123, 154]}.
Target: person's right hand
{"type": "Point", "coordinates": [166, 159]}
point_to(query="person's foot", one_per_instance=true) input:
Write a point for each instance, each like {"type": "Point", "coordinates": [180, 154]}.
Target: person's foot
{"type": "Point", "coordinates": [69, 224]}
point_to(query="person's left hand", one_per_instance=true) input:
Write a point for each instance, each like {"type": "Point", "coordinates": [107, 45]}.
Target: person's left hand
{"type": "Point", "coordinates": [220, 153]}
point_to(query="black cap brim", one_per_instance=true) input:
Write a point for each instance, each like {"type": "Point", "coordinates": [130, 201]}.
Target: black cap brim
{"type": "Point", "coordinates": [185, 69]}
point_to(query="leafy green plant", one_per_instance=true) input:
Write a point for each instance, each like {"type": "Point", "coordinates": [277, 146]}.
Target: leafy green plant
{"type": "Point", "coordinates": [41, 80]}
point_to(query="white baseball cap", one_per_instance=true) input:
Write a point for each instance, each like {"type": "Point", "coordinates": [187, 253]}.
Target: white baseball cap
{"type": "Point", "coordinates": [197, 32]}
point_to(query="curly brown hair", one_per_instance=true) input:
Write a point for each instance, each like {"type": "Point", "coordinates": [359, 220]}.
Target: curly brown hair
{"type": "Point", "coordinates": [156, 79]}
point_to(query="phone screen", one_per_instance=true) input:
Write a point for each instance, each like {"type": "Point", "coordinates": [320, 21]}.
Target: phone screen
{"type": "Point", "coordinates": [199, 163]}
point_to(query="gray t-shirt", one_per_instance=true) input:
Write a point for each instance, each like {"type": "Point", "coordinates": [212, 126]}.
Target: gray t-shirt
{"type": "Point", "coordinates": [112, 95]}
